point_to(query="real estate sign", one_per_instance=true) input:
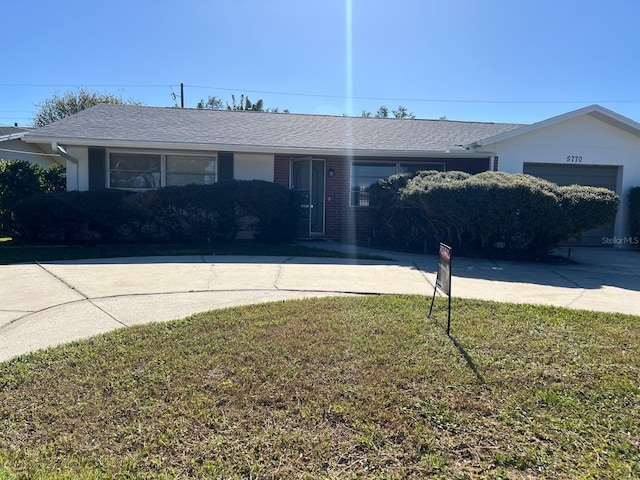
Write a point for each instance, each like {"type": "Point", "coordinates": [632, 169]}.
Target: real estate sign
{"type": "Point", "coordinates": [443, 279]}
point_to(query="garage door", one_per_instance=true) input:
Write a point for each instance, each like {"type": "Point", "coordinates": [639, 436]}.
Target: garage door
{"type": "Point", "coordinates": [590, 175]}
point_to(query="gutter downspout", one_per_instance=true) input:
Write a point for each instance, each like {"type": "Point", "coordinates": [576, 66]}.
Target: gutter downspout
{"type": "Point", "coordinates": [63, 153]}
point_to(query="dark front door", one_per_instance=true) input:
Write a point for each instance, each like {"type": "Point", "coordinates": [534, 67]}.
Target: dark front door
{"type": "Point", "coordinates": [307, 178]}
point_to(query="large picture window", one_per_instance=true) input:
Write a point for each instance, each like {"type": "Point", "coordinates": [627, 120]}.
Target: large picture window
{"type": "Point", "coordinates": [186, 170]}
{"type": "Point", "coordinates": [146, 171]}
{"type": "Point", "coordinates": [365, 174]}
{"type": "Point", "coordinates": [134, 170]}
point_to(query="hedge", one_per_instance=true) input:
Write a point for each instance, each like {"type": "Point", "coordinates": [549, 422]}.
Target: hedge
{"type": "Point", "coordinates": [195, 213]}
{"type": "Point", "coordinates": [477, 213]}
{"type": "Point", "coordinates": [20, 179]}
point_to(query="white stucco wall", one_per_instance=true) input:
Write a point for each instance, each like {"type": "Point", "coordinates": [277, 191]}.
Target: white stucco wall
{"type": "Point", "coordinates": [78, 175]}
{"type": "Point", "coordinates": [19, 150]}
{"type": "Point", "coordinates": [596, 142]}
{"type": "Point", "coordinates": [253, 166]}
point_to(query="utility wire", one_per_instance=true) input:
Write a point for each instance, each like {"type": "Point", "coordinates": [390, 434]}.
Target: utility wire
{"type": "Point", "coordinates": [396, 99]}
{"type": "Point", "coordinates": [317, 95]}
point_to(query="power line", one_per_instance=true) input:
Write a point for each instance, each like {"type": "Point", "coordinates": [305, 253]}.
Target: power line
{"type": "Point", "coordinates": [396, 99]}
{"type": "Point", "coordinates": [92, 85]}
{"type": "Point", "coordinates": [319, 95]}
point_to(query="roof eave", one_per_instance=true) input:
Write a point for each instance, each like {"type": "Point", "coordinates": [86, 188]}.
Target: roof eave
{"type": "Point", "coordinates": [12, 136]}
{"type": "Point", "coordinates": [596, 111]}
{"type": "Point", "coordinates": [277, 150]}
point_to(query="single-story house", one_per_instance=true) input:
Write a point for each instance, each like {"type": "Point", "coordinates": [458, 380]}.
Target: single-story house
{"type": "Point", "coordinates": [12, 148]}
{"type": "Point", "coordinates": [333, 160]}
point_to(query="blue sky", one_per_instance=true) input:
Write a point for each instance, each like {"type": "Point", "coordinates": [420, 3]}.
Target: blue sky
{"type": "Point", "coordinates": [479, 60]}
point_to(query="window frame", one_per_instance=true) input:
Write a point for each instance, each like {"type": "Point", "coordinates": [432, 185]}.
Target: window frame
{"type": "Point", "coordinates": [163, 154]}
{"type": "Point", "coordinates": [396, 163]}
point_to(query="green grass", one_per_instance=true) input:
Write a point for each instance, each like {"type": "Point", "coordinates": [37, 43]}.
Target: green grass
{"type": "Point", "coordinates": [16, 253]}
{"type": "Point", "coordinates": [357, 387]}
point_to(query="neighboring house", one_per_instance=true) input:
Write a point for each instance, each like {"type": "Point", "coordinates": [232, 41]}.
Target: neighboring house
{"type": "Point", "coordinates": [333, 160]}
{"type": "Point", "coordinates": [12, 148]}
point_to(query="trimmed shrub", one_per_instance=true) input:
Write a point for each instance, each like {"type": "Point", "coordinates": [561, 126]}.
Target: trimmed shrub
{"type": "Point", "coordinates": [634, 212]}
{"type": "Point", "coordinates": [474, 213]}
{"type": "Point", "coordinates": [269, 210]}
{"type": "Point", "coordinates": [53, 179]}
{"type": "Point", "coordinates": [20, 179]}
{"type": "Point", "coordinates": [72, 217]}
{"type": "Point", "coordinates": [194, 213]}
{"type": "Point", "coordinates": [398, 219]}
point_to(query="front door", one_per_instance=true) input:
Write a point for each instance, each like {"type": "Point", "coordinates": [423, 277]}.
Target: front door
{"type": "Point", "coordinates": [307, 178]}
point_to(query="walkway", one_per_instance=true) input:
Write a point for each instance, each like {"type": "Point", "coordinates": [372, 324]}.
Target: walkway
{"type": "Point", "coordinates": [57, 302]}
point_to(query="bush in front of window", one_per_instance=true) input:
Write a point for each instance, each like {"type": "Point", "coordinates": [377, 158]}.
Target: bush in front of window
{"type": "Point", "coordinates": [515, 213]}
{"type": "Point", "coordinates": [396, 220]}
{"type": "Point", "coordinates": [197, 213]}
{"type": "Point", "coordinates": [194, 213]}
{"type": "Point", "coordinates": [228, 210]}
{"type": "Point", "coordinates": [269, 210]}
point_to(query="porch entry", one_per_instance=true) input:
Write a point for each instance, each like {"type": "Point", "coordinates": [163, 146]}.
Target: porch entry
{"type": "Point", "coordinates": [308, 179]}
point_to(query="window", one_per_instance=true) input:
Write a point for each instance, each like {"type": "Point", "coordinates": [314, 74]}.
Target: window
{"type": "Point", "coordinates": [134, 171]}
{"type": "Point", "coordinates": [186, 169]}
{"type": "Point", "coordinates": [365, 174]}
{"type": "Point", "coordinates": [145, 171]}
{"type": "Point", "coordinates": [412, 169]}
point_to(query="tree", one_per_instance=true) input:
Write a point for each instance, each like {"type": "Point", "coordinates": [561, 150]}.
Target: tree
{"type": "Point", "coordinates": [244, 104]}
{"type": "Point", "coordinates": [212, 103]}
{"type": "Point", "coordinates": [402, 112]}
{"type": "Point", "coordinates": [276, 110]}
{"type": "Point", "coordinates": [383, 112]}
{"type": "Point", "coordinates": [59, 107]}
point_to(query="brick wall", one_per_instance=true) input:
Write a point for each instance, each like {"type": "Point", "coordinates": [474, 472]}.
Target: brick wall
{"type": "Point", "coordinates": [281, 170]}
{"type": "Point", "coordinates": [336, 196]}
{"type": "Point", "coordinates": [343, 222]}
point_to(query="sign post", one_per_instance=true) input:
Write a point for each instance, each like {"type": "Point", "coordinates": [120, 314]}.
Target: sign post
{"type": "Point", "coordinates": [443, 279]}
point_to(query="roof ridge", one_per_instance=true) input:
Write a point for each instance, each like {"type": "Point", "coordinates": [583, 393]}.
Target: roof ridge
{"type": "Point", "coordinates": [303, 114]}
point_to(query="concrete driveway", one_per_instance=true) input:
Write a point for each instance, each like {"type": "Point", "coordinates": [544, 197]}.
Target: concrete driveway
{"type": "Point", "coordinates": [56, 302]}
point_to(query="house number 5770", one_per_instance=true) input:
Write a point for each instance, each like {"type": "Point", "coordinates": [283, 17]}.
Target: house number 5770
{"type": "Point", "coordinates": [574, 158]}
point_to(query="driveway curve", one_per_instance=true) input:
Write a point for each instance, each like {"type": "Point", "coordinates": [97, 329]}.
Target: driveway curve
{"type": "Point", "coordinates": [49, 303]}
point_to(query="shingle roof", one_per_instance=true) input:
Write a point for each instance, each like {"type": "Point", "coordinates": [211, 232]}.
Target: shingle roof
{"type": "Point", "coordinates": [128, 125]}
{"type": "Point", "coordinates": [6, 131]}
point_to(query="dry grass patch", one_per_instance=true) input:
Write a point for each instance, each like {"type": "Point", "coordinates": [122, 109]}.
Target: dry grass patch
{"type": "Point", "coordinates": [333, 388]}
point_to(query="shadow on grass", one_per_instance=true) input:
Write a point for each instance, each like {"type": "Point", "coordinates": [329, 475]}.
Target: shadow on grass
{"type": "Point", "coordinates": [468, 358]}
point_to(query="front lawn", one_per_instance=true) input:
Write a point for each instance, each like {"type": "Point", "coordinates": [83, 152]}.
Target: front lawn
{"type": "Point", "coordinates": [355, 387]}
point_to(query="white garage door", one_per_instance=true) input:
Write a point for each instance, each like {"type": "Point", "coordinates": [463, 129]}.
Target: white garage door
{"type": "Point", "coordinates": [590, 175]}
